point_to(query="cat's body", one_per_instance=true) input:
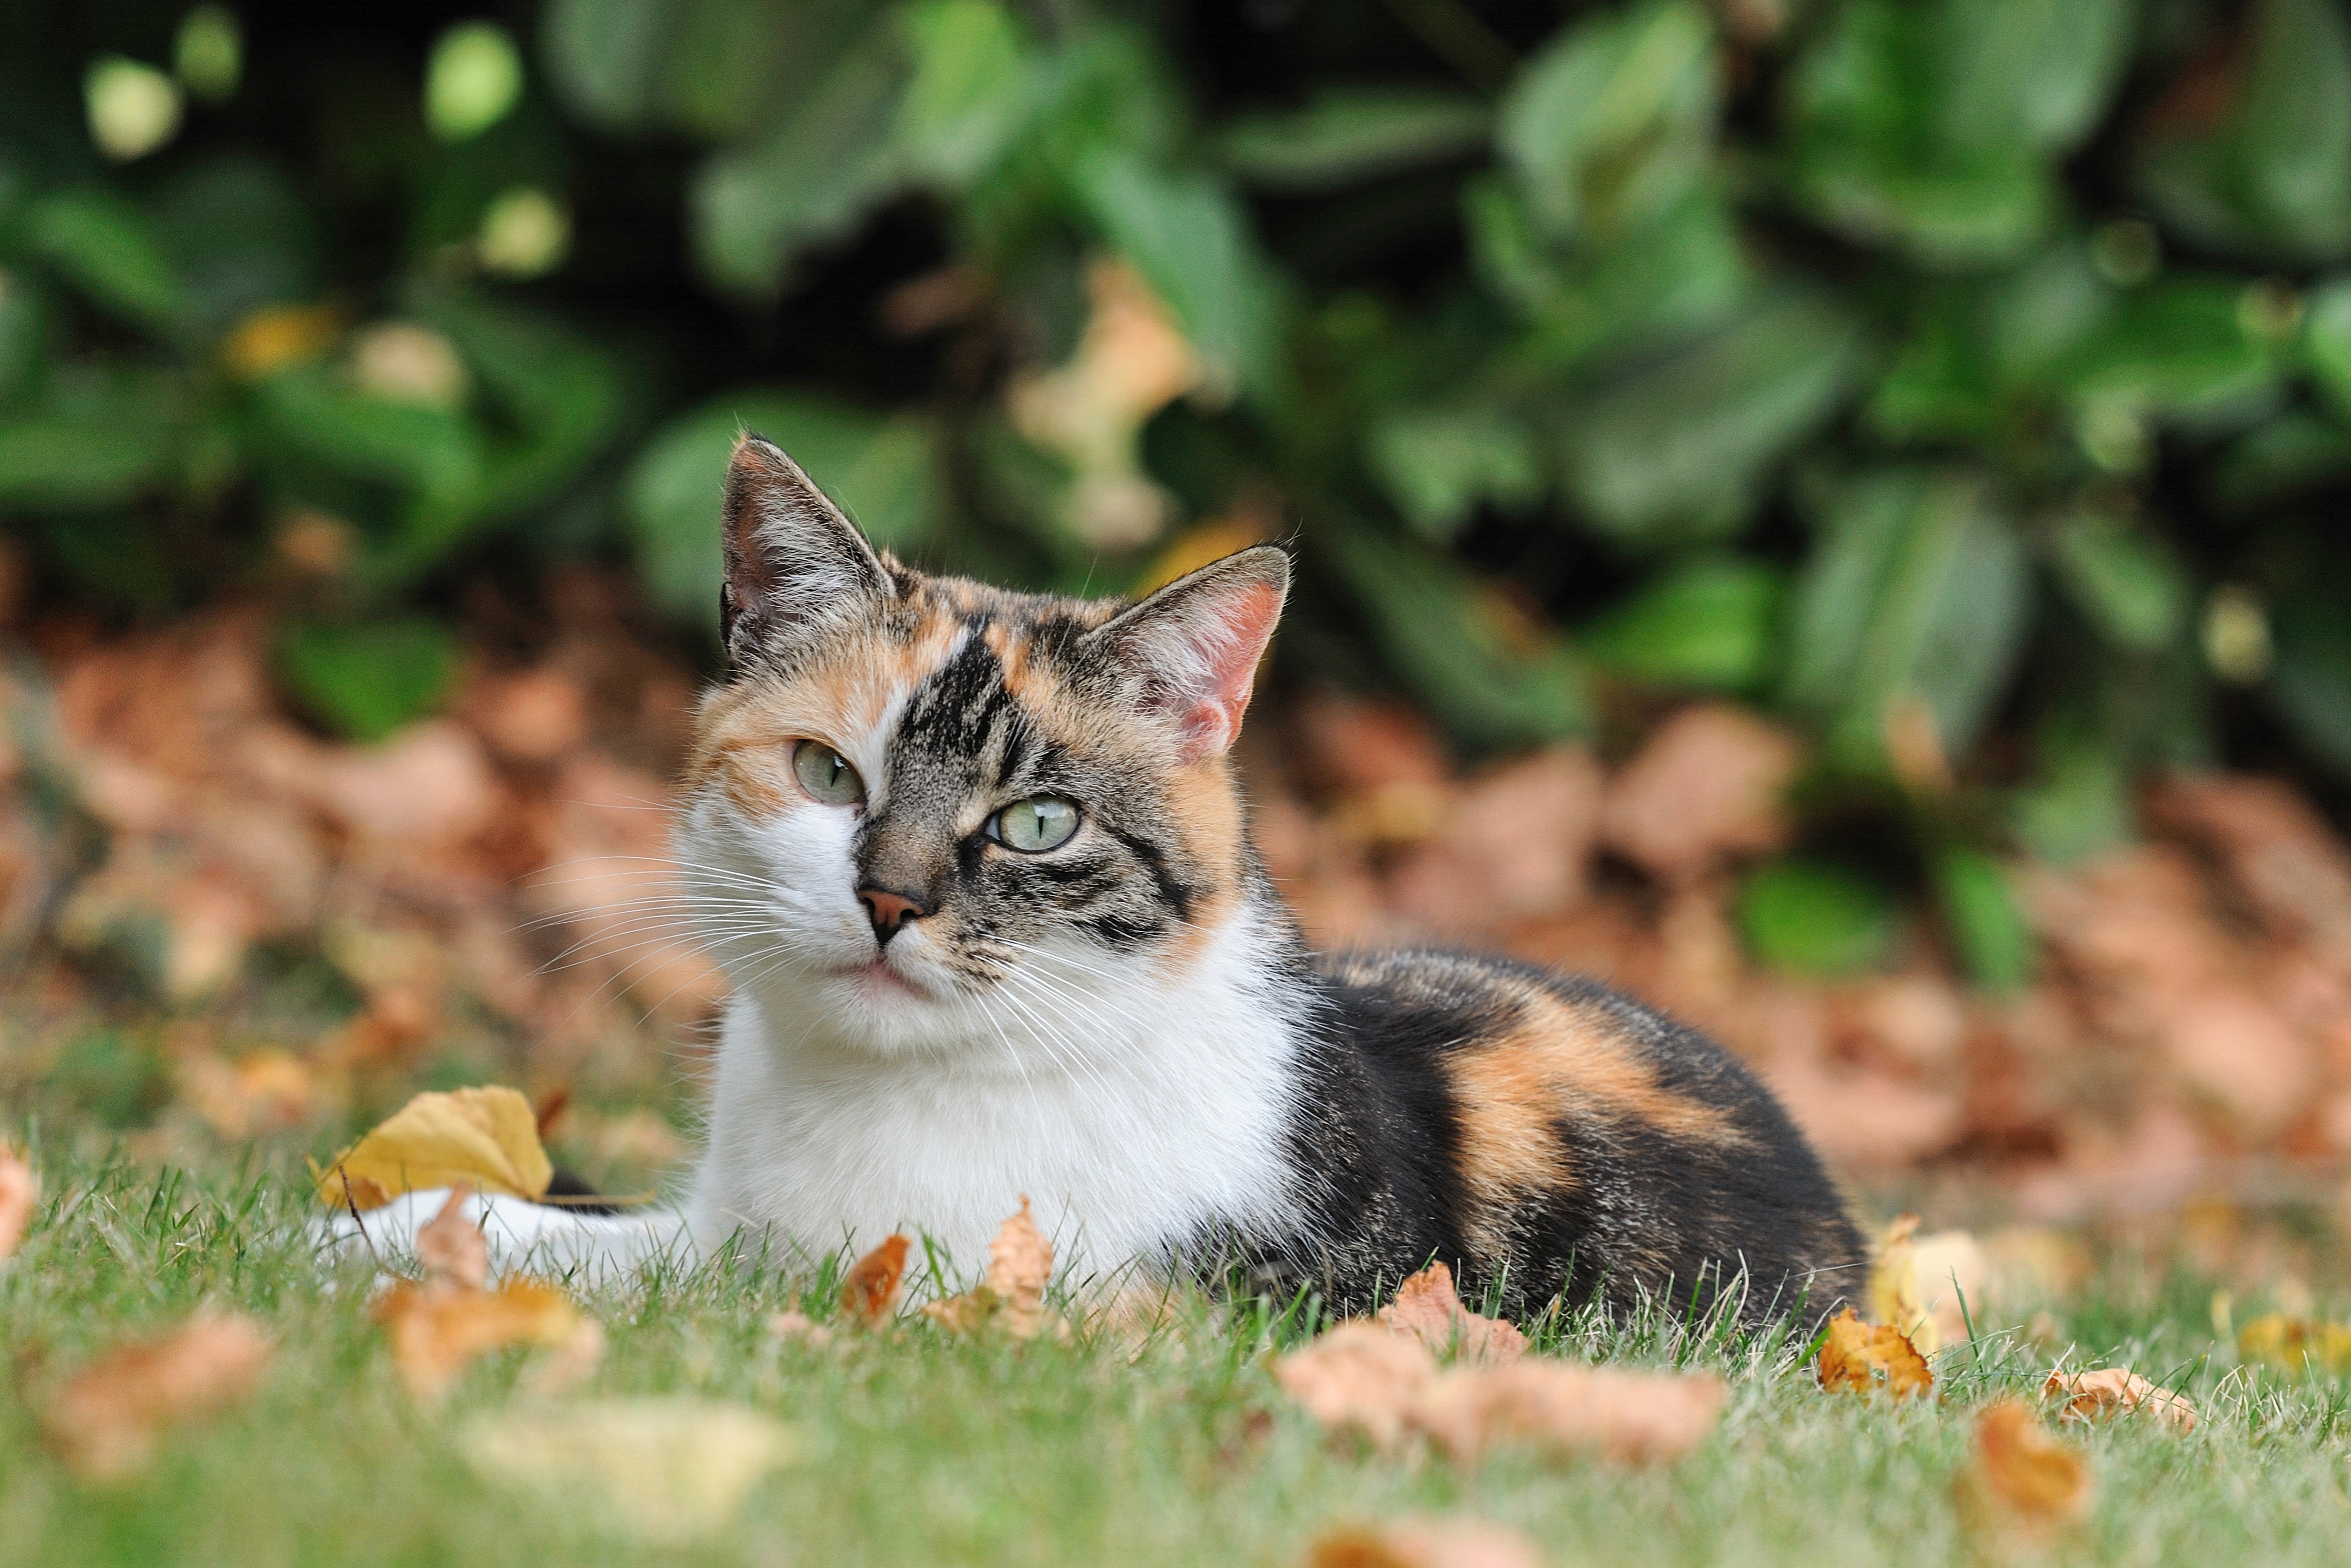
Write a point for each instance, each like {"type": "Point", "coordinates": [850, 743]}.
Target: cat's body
{"type": "Point", "coordinates": [977, 867]}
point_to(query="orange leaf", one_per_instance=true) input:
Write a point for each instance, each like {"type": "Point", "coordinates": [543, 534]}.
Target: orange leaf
{"type": "Point", "coordinates": [437, 1329]}
{"type": "Point", "coordinates": [1628, 1415]}
{"type": "Point", "coordinates": [2020, 1477]}
{"type": "Point", "coordinates": [19, 1188]}
{"type": "Point", "coordinates": [1019, 1266]}
{"type": "Point", "coordinates": [870, 1292]}
{"type": "Point", "coordinates": [452, 1247]}
{"type": "Point", "coordinates": [1425, 1543]}
{"type": "Point", "coordinates": [1859, 1356]}
{"type": "Point", "coordinates": [1359, 1376]}
{"type": "Point", "coordinates": [105, 1419]}
{"type": "Point", "coordinates": [2112, 1389]}
{"type": "Point", "coordinates": [1427, 1308]}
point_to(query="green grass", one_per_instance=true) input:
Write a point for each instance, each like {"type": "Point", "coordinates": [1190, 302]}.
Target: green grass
{"type": "Point", "coordinates": [921, 1448]}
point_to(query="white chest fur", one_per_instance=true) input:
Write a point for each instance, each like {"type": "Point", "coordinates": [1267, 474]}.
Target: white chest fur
{"type": "Point", "coordinates": [1132, 1120]}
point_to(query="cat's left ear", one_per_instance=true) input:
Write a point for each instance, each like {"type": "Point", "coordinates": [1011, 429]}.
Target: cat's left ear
{"type": "Point", "coordinates": [1194, 646]}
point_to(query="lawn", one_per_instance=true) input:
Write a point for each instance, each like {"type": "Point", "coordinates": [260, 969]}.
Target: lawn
{"type": "Point", "coordinates": [916, 1447]}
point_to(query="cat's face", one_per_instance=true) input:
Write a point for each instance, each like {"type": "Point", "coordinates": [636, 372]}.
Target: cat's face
{"type": "Point", "coordinates": [921, 810]}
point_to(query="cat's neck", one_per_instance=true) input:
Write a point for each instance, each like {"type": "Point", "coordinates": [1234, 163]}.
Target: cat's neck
{"type": "Point", "coordinates": [1135, 1105]}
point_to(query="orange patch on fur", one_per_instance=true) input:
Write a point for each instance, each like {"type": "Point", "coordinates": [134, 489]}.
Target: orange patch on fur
{"type": "Point", "coordinates": [1556, 1061]}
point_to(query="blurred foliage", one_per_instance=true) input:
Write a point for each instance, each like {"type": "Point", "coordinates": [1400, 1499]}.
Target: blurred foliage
{"type": "Point", "coordinates": [1983, 360]}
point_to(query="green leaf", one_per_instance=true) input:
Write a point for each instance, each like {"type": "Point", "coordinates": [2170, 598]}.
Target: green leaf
{"type": "Point", "coordinates": [1348, 135]}
{"type": "Point", "coordinates": [2272, 182]}
{"type": "Point", "coordinates": [2036, 71]}
{"type": "Point", "coordinates": [2177, 350]}
{"type": "Point", "coordinates": [2297, 450]}
{"type": "Point", "coordinates": [1450, 643]}
{"type": "Point", "coordinates": [365, 679]}
{"type": "Point", "coordinates": [827, 164]}
{"type": "Point", "coordinates": [1815, 919]}
{"type": "Point", "coordinates": [24, 332]}
{"type": "Point", "coordinates": [1709, 623]}
{"type": "Point", "coordinates": [882, 472]}
{"type": "Point", "coordinates": [107, 249]}
{"type": "Point", "coordinates": [972, 88]}
{"type": "Point", "coordinates": [1980, 911]}
{"type": "Point", "coordinates": [78, 464]}
{"type": "Point", "coordinates": [2310, 681]}
{"type": "Point", "coordinates": [2079, 802]}
{"type": "Point", "coordinates": [1190, 239]}
{"type": "Point", "coordinates": [435, 452]}
{"type": "Point", "coordinates": [1679, 446]}
{"type": "Point", "coordinates": [1918, 587]}
{"type": "Point", "coordinates": [2129, 585]}
{"type": "Point", "coordinates": [605, 59]}
{"type": "Point", "coordinates": [1439, 464]}
{"type": "Point", "coordinates": [2326, 341]}
{"type": "Point", "coordinates": [1612, 123]}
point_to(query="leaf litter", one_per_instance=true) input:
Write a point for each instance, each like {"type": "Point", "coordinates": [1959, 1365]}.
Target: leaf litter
{"type": "Point", "coordinates": [107, 1419]}
{"type": "Point", "coordinates": [2117, 1390]}
{"type": "Point", "coordinates": [2020, 1480]}
{"type": "Point", "coordinates": [1858, 1357]}
{"type": "Point", "coordinates": [440, 1325]}
{"type": "Point", "coordinates": [20, 1188]}
{"type": "Point", "coordinates": [1424, 1544]}
{"type": "Point", "coordinates": [1011, 1297]}
{"type": "Point", "coordinates": [486, 1138]}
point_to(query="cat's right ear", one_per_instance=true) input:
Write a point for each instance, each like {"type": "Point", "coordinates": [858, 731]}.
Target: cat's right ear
{"type": "Point", "coordinates": [794, 564]}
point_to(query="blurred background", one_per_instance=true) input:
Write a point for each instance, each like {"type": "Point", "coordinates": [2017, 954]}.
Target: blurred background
{"type": "Point", "coordinates": [1828, 513]}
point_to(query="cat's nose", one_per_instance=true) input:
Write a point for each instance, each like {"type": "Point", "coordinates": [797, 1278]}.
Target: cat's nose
{"type": "Point", "coordinates": [889, 911]}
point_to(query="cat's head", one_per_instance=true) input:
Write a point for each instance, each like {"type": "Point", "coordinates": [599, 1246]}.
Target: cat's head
{"type": "Point", "coordinates": [920, 808]}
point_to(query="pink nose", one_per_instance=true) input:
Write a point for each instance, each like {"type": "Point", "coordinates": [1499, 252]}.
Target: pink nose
{"type": "Point", "coordinates": [889, 911]}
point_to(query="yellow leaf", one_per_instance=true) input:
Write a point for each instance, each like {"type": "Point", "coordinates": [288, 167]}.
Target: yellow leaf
{"type": "Point", "coordinates": [670, 1471]}
{"type": "Point", "coordinates": [1927, 1285]}
{"type": "Point", "coordinates": [486, 1138]}
{"type": "Point", "coordinates": [1858, 1357]}
{"type": "Point", "coordinates": [2297, 1344]}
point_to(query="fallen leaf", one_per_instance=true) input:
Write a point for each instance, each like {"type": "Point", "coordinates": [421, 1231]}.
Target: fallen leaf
{"type": "Point", "coordinates": [572, 1363]}
{"type": "Point", "coordinates": [797, 1324]}
{"type": "Point", "coordinates": [669, 1471]}
{"type": "Point", "coordinates": [1425, 1543]}
{"type": "Point", "coordinates": [1359, 1377]}
{"type": "Point", "coordinates": [2019, 1477]}
{"type": "Point", "coordinates": [1860, 1358]}
{"type": "Point", "coordinates": [1633, 1416]}
{"type": "Point", "coordinates": [452, 1247]}
{"type": "Point", "coordinates": [437, 1329]}
{"type": "Point", "coordinates": [2112, 1389]}
{"type": "Point", "coordinates": [1707, 785]}
{"type": "Point", "coordinates": [1012, 1295]}
{"type": "Point", "coordinates": [1427, 1308]}
{"type": "Point", "coordinates": [1927, 1285]}
{"type": "Point", "coordinates": [484, 1138]}
{"type": "Point", "coordinates": [20, 1188]}
{"type": "Point", "coordinates": [870, 1292]}
{"type": "Point", "coordinates": [2297, 1344]}
{"type": "Point", "coordinates": [105, 1419]}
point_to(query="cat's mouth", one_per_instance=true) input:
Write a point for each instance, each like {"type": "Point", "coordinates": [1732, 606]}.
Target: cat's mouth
{"type": "Point", "coordinates": [877, 979]}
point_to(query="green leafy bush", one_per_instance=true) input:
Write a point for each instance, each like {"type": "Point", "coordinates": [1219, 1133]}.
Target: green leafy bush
{"type": "Point", "coordinates": [1988, 359]}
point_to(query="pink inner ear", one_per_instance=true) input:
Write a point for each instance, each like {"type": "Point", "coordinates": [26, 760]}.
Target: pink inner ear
{"type": "Point", "coordinates": [1228, 648]}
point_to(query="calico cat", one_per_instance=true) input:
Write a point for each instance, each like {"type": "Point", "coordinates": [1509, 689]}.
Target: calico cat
{"type": "Point", "coordinates": [979, 870]}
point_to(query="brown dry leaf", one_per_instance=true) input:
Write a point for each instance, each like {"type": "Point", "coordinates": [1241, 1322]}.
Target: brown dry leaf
{"type": "Point", "coordinates": [797, 1324]}
{"type": "Point", "coordinates": [2021, 1478]}
{"type": "Point", "coordinates": [2112, 1389]}
{"type": "Point", "coordinates": [1633, 1417]}
{"type": "Point", "coordinates": [1927, 1287]}
{"type": "Point", "coordinates": [870, 1292]}
{"type": "Point", "coordinates": [1427, 1308]}
{"type": "Point", "coordinates": [1860, 1358]}
{"type": "Point", "coordinates": [1012, 1296]}
{"type": "Point", "coordinates": [105, 1419]}
{"type": "Point", "coordinates": [1707, 785]}
{"type": "Point", "coordinates": [20, 1188]}
{"type": "Point", "coordinates": [669, 1471]}
{"type": "Point", "coordinates": [437, 1329]}
{"type": "Point", "coordinates": [484, 1137]}
{"type": "Point", "coordinates": [1425, 1543]}
{"type": "Point", "coordinates": [1359, 1377]}
{"type": "Point", "coordinates": [452, 1247]}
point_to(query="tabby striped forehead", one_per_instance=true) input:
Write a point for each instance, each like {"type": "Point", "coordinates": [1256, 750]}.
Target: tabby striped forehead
{"type": "Point", "coordinates": [954, 700]}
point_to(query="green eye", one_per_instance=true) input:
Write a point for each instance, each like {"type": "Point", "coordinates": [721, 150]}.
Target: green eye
{"type": "Point", "coordinates": [1042, 821]}
{"type": "Point", "coordinates": [826, 774]}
